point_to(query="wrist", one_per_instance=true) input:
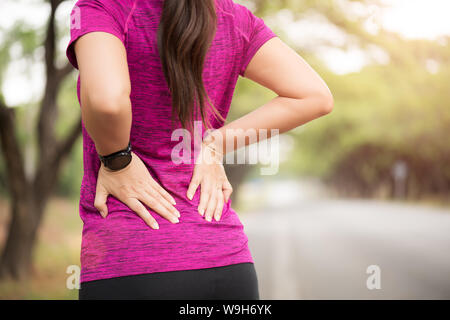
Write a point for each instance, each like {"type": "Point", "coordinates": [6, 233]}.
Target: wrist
{"type": "Point", "coordinates": [118, 171]}
{"type": "Point", "coordinates": [215, 140]}
{"type": "Point", "coordinates": [212, 151]}
{"type": "Point", "coordinates": [117, 161]}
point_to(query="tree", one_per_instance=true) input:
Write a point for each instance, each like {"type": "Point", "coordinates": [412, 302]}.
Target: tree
{"type": "Point", "coordinates": [29, 196]}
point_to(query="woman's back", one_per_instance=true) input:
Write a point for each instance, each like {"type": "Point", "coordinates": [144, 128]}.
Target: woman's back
{"type": "Point", "coordinates": [122, 244]}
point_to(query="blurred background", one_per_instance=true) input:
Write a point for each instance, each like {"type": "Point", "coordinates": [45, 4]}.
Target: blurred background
{"type": "Point", "coordinates": [359, 208]}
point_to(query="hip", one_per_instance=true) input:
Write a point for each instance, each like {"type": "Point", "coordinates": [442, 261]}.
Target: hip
{"type": "Point", "coordinates": [122, 244]}
{"type": "Point", "coordinates": [235, 281]}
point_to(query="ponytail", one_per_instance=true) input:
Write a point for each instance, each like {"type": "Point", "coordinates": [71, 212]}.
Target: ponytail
{"type": "Point", "coordinates": [185, 33]}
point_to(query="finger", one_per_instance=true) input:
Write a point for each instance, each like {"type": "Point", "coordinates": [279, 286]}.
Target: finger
{"type": "Point", "coordinates": [219, 208]}
{"type": "Point", "coordinates": [101, 195]}
{"type": "Point", "coordinates": [195, 182]}
{"type": "Point", "coordinates": [204, 197]}
{"type": "Point", "coordinates": [159, 198]}
{"type": "Point", "coordinates": [227, 190]}
{"type": "Point", "coordinates": [163, 192]}
{"type": "Point", "coordinates": [212, 203]}
{"type": "Point", "coordinates": [158, 207]}
{"type": "Point", "coordinates": [141, 211]}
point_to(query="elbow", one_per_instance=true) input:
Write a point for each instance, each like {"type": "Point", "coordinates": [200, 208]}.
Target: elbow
{"type": "Point", "coordinates": [326, 104]}
{"type": "Point", "coordinates": [109, 102]}
{"type": "Point", "coordinates": [320, 103]}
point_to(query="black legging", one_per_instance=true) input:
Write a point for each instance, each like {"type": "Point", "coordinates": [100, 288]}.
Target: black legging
{"type": "Point", "coordinates": [236, 281]}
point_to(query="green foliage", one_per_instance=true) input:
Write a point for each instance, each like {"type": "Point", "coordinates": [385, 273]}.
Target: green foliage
{"type": "Point", "coordinates": [385, 113]}
{"type": "Point", "coordinates": [382, 113]}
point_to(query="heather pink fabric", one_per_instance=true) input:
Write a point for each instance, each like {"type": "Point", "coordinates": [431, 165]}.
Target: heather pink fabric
{"type": "Point", "coordinates": [122, 244]}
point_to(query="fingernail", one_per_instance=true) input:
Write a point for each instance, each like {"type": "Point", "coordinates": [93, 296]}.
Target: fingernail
{"type": "Point", "coordinates": [208, 218]}
{"type": "Point", "coordinates": [173, 202]}
{"type": "Point", "coordinates": [155, 225]}
{"type": "Point", "coordinates": [102, 214]}
{"type": "Point", "coordinates": [189, 196]}
{"type": "Point", "coordinates": [201, 211]}
{"type": "Point", "coordinates": [175, 220]}
{"type": "Point", "coordinates": [217, 218]}
{"type": "Point", "coordinates": [178, 214]}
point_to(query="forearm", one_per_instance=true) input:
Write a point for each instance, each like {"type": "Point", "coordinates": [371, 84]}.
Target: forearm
{"type": "Point", "coordinates": [105, 90]}
{"type": "Point", "coordinates": [281, 113]}
{"type": "Point", "coordinates": [108, 124]}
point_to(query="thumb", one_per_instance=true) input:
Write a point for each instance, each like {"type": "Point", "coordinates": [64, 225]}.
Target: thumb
{"type": "Point", "coordinates": [101, 196]}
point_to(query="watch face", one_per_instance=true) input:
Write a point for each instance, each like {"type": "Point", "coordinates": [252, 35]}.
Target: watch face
{"type": "Point", "coordinates": [119, 162]}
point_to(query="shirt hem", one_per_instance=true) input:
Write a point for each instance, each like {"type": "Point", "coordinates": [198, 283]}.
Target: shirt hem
{"type": "Point", "coordinates": [206, 265]}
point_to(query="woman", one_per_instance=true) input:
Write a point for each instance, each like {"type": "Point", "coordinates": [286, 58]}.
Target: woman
{"type": "Point", "coordinates": [155, 225]}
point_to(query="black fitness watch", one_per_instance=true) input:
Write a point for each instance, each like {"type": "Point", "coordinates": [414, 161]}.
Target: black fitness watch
{"type": "Point", "coordinates": [117, 160]}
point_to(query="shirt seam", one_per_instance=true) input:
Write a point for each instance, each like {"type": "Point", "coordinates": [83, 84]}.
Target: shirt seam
{"type": "Point", "coordinates": [130, 14]}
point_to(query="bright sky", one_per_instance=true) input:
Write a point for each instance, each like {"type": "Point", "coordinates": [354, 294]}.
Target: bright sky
{"type": "Point", "coordinates": [411, 18]}
{"type": "Point", "coordinates": [418, 18]}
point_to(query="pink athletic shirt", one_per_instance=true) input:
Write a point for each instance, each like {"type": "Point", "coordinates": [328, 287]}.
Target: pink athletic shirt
{"type": "Point", "coordinates": [122, 244]}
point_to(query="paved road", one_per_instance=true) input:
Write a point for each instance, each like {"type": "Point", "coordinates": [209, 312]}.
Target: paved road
{"type": "Point", "coordinates": [321, 249]}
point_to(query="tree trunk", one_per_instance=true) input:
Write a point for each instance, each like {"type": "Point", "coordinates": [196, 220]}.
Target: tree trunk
{"type": "Point", "coordinates": [17, 254]}
{"type": "Point", "coordinates": [29, 196]}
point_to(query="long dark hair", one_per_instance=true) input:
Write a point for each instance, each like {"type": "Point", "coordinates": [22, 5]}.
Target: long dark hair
{"type": "Point", "coordinates": [185, 33]}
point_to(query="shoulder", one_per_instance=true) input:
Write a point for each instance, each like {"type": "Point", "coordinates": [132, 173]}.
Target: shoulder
{"type": "Point", "coordinates": [111, 6]}
{"type": "Point", "coordinates": [107, 3]}
{"type": "Point", "coordinates": [114, 13]}
{"type": "Point", "coordinates": [239, 14]}
{"type": "Point", "coordinates": [241, 17]}
{"type": "Point", "coordinates": [229, 7]}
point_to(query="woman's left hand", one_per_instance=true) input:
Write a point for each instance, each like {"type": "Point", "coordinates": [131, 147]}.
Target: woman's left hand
{"type": "Point", "coordinates": [210, 174]}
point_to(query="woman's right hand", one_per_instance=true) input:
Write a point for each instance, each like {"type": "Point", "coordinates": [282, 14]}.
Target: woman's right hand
{"type": "Point", "coordinates": [133, 185]}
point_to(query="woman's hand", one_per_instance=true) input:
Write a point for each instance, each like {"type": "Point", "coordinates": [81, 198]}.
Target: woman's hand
{"type": "Point", "coordinates": [215, 187]}
{"type": "Point", "coordinates": [133, 185]}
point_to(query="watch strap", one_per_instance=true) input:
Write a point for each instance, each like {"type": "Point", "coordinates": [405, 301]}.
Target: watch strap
{"type": "Point", "coordinates": [107, 158]}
